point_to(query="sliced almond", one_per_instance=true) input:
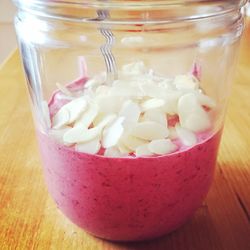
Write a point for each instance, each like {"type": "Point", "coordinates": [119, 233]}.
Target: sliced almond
{"type": "Point", "coordinates": [76, 108]}
{"type": "Point", "coordinates": [162, 147]}
{"type": "Point", "coordinates": [198, 122]}
{"type": "Point", "coordinates": [90, 147]}
{"type": "Point", "coordinates": [152, 104]}
{"type": "Point", "coordinates": [123, 149]}
{"type": "Point", "coordinates": [102, 90]}
{"type": "Point", "coordinates": [166, 84]}
{"type": "Point", "coordinates": [191, 114]}
{"type": "Point", "coordinates": [88, 117]}
{"type": "Point", "coordinates": [113, 152]}
{"type": "Point", "coordinates": [143, 151]}
{"type": "Point", "coordinates": [172, 133]}
{"type": "Point", "coordinates": [80, 135]}
{"type": "Point", "coordinates": [131, 112]}
{"type": "Point", "coordinates": [186, 82]}
{"type": "Point", "coordinates": [108, 119]}
{"type": "Point", "coordinates": [113, 133]}
{"type": "Point", "coordinates": [186, 136]}
{"type": "Point", "coordinates": [152, 90]}
{"type": "Point", "coordinates": [109, 104]}
{"type": "Point", "coordinates": [95, 81]}
{"type": "Point", "coordinates": [61, 118]}
{"type": "Point", "coordinates": [92, 83]}
{"type": "Point", "coordinates": [171, 102]}
{"type": "Point", "coordinates": [123, 89]}
{"type": "Point", "coordinates": [98, 118]}
{"type": "Point", "coordinates": [156, 115]}
{"type": "Point", "coordinates": [132, 142]}
{"type": "Point", "coordinates": [150, 131]}
{"type": "Point", "coordinates": [187, 105]}
{"type": "Point", "coordinates": [205, 100]}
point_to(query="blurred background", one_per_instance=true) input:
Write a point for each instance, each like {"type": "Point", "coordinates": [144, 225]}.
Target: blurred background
{"type": "Point", "coordinates": [7, 33]}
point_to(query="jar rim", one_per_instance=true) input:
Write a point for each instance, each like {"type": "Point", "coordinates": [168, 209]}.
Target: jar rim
{"type": "Point", "coordinates": [175, 10]}
{"type": "Point", "coordinates": [132, 3]}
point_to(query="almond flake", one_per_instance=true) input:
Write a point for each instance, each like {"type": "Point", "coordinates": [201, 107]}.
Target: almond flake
{"type": "Point", "coordinates": [61, 118]}
{"type": "Point", "coordinates": [150, 131]}
{"type": "Point", "coordinates": [186, 136]}
{"type": "Point", "coordinates": [123, 149]}
{"type": "Point", "coordinates": [109, 104]}
{"type": "Point", "coordinates": [155, 115]}
{"type": "Point", "coordinates": [124, 90]}
{"type": "Point", "coordinates": [172, 133]}
{"type": "Point", "coordinates": [186, 82]}
{"type": "Point", "coordinates": [90, 147]}
{"type": "Point", "coordinates": [132, 142]}
{"type": "Point", "coordinates": [102, 90]}
{"type": "Point", "coordinates": [171, 102]}
{"type": "Point", "coordinates": [95, 81]}
{"type": "Point", "coordinates": [198, 122]}
{"type": "Point", "coordinates": [131, 112]}
{"type": "Point", "coordinates": [152, 104]}
{"type": "Point", "coordinates": [75, 108]}
{"type": "Point", "coordinates": [166, 84]}
{"type": "Point", "coordinates": [113, 133]}
{"type": "Point", "coordinates": [113, 152]}
{"type": "Point", "coordinates": [88, 117]}
{"type": "Point", "coordinates": [152, 90]}
{"type": "Point", "coordinates": [205, 100]}
{"type": "Point", "coordinates": [143, 151]}
{"type": "Point", "coordinates": [98, 118]}
{"type": "Point", "coordinates": [191, 114]}
{"type": "Point", "coordinates": [79, 135]}
{"type": "Point", "coordinates": [162, 147]}
{"type": "Point", "coordinates": [106, 120]}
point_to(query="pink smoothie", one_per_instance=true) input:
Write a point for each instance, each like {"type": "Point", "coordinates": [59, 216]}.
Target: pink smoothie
{"type": "Point", "coordinates": [132, 198]}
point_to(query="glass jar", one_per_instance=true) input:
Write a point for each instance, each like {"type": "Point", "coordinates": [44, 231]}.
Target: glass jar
{"type": "Point", "coordinates": [129, 102]}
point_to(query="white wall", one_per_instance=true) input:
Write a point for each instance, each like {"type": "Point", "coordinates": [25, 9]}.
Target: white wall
{"type": "Point", "coordinates": [7, 11]}
{"type": "Point", "coordinates": [7, 33]}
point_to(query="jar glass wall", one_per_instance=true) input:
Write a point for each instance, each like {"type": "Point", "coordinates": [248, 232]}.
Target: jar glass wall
{"type": "Point", "coordinates": [129, 154]}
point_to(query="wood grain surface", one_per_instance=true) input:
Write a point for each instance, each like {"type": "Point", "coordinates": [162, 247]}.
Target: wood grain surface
{"type": "Point", "coordinates": [29, 218]}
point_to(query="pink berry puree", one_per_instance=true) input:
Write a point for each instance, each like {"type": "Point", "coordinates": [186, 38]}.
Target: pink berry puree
{"type": "Point", "coordinates": [127, 199]}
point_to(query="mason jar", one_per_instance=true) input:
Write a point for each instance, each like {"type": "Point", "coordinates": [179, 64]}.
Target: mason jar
{"type": "Point", "coordinates": [129, 99]}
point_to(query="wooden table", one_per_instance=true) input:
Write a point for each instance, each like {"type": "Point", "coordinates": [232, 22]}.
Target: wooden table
{"type": "Point", "coordinates": [29, 218]}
